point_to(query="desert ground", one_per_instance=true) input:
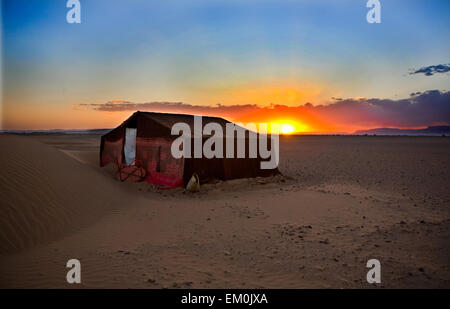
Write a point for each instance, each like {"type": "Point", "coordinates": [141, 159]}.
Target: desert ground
{"type": "Point", "coordinates": [341, 200]}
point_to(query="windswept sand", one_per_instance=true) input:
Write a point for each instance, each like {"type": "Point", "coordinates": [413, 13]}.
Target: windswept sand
{"type": "Point", "coordinates": [45, 194]}
{"type": "Point", "coordinates": [342, 201]}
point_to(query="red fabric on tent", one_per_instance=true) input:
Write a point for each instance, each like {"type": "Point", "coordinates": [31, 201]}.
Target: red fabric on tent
{"type": "Point", "coordinates": [154, 155]}
{"type": "Point", "coordinates": [161, 179]}
{"type": "Point", "coordinates": [131, 173]}
{"type": "Point", "coordinates": [112, 152]}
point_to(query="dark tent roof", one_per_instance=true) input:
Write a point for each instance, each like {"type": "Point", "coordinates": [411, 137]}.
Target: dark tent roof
{"type": "Point", "coordinates": [168, 120]}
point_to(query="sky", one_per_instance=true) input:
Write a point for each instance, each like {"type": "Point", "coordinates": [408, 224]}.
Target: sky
{"type": "Point", "coordinates": [316, 64]}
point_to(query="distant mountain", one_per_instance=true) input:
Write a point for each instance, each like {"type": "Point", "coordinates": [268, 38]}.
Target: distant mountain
{"type": "Point", "coordinates": [58, 131]}
{"type": "Point", "coordinates": [430, 131]}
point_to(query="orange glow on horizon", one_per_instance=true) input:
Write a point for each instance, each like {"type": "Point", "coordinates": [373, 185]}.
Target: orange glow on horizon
{"type": "Point", "coordinates": [295, 119]}
{"type": "Point", "coordinates": [35, 118]}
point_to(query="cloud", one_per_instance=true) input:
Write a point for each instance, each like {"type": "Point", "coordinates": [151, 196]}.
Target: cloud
{"type": "Point", "coordinates": [170, 107]}
{"type": "Point", "coordinates": [423, 109]}
{"type": "Point", "coordinates": [432, 69]}
{"type": "Point", "coordinates": [345, 115]}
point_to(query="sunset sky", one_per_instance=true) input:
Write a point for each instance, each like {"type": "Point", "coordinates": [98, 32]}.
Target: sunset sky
{"type": "Point", "coordinates": [316, 64]}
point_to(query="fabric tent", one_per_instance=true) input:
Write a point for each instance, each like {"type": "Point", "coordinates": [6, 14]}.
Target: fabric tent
{"type": "Point", "coordinates": [153, 142]}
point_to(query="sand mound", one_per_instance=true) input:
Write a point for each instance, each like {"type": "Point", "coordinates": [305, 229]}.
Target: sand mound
{"type": "Point", "coordinates": [45, 194]}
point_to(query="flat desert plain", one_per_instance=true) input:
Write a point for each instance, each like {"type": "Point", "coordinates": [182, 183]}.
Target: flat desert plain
{"type": "Point", "coordinates": [341, 200]}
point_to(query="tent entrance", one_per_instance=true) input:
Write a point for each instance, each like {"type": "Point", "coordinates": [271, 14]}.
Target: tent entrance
{"type": "Point", "coordinates": [129, 147]}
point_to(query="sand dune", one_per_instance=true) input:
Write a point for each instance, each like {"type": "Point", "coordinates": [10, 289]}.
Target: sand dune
{"type": "Point", "coordinates": [45, 194]}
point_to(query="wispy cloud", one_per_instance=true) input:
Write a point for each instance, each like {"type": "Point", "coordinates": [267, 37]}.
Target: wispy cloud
{"type": "Point", "coordinates": [432, 69]}
{"type": "Point", "coordinates": [420, 109]}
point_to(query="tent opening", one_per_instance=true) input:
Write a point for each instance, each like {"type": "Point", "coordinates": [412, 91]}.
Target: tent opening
{"type": "Point", "coordinates": [130, 146]}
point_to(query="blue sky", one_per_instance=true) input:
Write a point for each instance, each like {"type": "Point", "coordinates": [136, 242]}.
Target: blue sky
{"type": "Point", "coordinates": [209, 52]}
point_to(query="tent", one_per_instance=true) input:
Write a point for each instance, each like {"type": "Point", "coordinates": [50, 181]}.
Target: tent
{"type": "Point", "coordinates": [144, 141]}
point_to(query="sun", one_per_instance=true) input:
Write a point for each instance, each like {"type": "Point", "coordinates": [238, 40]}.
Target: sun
{"type": "Point", "coordinates": [286, 128]}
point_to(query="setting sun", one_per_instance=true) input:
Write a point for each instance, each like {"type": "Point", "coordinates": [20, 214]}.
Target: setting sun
{"type": "Point", "coordinates": [287, 129]}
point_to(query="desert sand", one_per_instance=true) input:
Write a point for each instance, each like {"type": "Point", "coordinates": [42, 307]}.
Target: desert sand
{"type": "Point", "coordinates": [341, 201]}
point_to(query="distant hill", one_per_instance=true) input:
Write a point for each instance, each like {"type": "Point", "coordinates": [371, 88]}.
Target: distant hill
{"type": "Point", "coordinates": [430, 131]}
{"type": "Point", "coordinates": [57, 131]}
